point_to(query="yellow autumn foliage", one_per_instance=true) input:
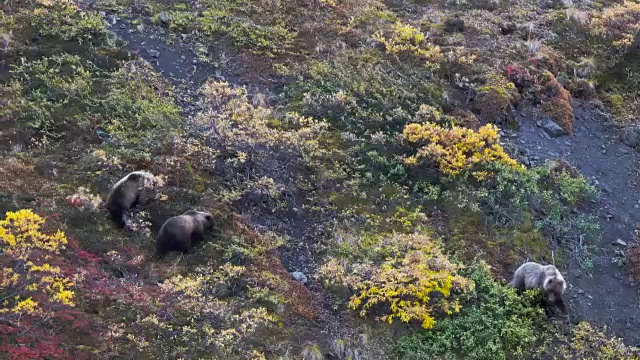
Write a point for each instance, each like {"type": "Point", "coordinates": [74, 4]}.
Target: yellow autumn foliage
{"type": "Point", "coordinates": [404, 38]}
{"type": "Point", "coordinates": [411, 283]}
{"type": "Point", "coordinates": [456, 149]}
{"type": "Point", "coordinates": [20, 232]}
{"type": "Point", "coordinates": [25, 272]}
{"type": "Point", "coordinates": [618, 24]}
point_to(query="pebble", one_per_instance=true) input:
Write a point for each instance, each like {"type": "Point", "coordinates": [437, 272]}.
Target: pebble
{"type": "Point", "coordinates": [164, 17]}
{"type": "Point", "coordinates": [619, 242]}
{"type": "Point", "coordinates": [300, 277]}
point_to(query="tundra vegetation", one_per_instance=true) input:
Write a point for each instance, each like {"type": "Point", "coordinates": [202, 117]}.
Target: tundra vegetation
{"type": "Point", "coordinates": [357, 140]}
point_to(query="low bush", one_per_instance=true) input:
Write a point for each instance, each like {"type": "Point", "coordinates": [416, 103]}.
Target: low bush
{"type": "Point", "coordinates": [589, 343]}
{"type": "Point", "coordinates": [556, 101]}
{"type": "Point", "coordinates": [549, 194]}
{"type": "Point", "coordinates": [38, 318]}
{"type": "Point", "coordinates": [454, 150]}
{"type": "Point", "coordinates": [496, 98]}
{"type": "Point", "coordinates": [405, 277]}
{"type": "Point", "coordinates": [495, 323]}
{"type": "Point", "coordinates": [406, 39]}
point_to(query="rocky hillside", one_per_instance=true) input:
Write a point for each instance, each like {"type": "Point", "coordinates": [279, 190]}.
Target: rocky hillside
{"type": "Point", "coordinates": [376, 171]}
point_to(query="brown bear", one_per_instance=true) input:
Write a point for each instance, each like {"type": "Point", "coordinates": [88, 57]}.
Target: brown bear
{"type": "Point", "coordinates": [531, 275]}
{"type": "Point", "coordinates": [125, 194]}
{"type": "Point", "coordinates": [182, 232]}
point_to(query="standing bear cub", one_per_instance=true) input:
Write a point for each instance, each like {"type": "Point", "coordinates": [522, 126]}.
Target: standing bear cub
{"type": "Point", "coordinates": [531, 275]}
{"type": "Point", "coordinates": [182, 232]}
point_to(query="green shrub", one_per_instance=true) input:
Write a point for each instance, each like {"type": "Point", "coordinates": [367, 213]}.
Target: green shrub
{"type": "Point", "coordinates": [65, 95]}
{"type": "Point", "coordinates": [255, 26]}
{"type": "Point", "coordinates": [508, 198]}
{"type": "Point", "coordinates": [495, 323]}
{"type": "Point", "coordinates": [588, 343]}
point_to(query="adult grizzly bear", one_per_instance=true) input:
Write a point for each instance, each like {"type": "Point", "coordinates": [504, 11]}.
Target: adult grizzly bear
{"type": "Point", "coordinates": [531, 275]}
{"type": "Point", "coordinates": [182, 232]}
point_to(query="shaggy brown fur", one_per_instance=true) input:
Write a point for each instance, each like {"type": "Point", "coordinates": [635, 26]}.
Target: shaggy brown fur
{"type": "Point", "coordinates": [125, 195]}
{"type": "Point", "coordinates": [182, 232]}
{"type": "Point", "coordinates": [532, 275]}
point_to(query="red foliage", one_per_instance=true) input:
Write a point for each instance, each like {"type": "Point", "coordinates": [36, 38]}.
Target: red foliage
{"type": "Point", "coordinates": [519, 75]}
{"type": "Point", "coordinates": [557, 101]}
{"type": "Point", "coordinates": [31, 336]}
{"type": "Point", "coordinates": [299, 298]}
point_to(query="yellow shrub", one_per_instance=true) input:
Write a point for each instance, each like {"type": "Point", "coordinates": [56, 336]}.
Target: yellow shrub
{"type": "Point", "coordinates": [20, 232]}
{"type": "Point", "coordinates": [26, 273]}
{"type": "Point", "coordinates": [405, 282]}
{"type": "Point", "coordinates": [405, 38]}
{"type": "Point", "coordinates": [456, 149]}
{"type": "Point", "coordinates": [589, 343]}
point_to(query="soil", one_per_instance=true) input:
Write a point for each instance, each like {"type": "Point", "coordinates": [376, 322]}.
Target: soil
{"type": "Point", "coordinates": [602, 293]}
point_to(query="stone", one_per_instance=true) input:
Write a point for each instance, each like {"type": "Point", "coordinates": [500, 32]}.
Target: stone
{"type": "Point", "coordinates": [164, 18]}
{"type": "Point", "coordinates": [631, 136]}
{"type": "Point", "coordinates": [300, 277]}
{"type": "Point", "coordinates": [550, 127]}
{"type": "Point", "coordinates": [619, 242]}
{"type": "Point", "coordinates": [154, 53]}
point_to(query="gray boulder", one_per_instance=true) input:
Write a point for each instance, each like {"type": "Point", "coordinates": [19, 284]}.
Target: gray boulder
{"type": "Point", "coordinates": [552, 128]}
{"type": "Point", "coordinates": [631, 136]}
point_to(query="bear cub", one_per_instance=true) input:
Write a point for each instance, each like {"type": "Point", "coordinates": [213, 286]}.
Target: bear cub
{"type": "Point", "coordinates": [126, 193]}
{"type": "Point", "coordinates": [182, 232]}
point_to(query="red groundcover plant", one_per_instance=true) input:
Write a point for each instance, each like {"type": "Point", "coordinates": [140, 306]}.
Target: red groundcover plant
{"type": "Point", "coordinates": [38, 318]}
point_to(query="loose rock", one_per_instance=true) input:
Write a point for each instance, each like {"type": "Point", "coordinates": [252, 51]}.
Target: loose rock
{"type": "Point", "coordinates": [164, 18]}
{"type": "Point", "coordinates": [550, 127]}
{"type": "Point", "coordinates": [300, 277]}
{"type": "Point", "coordinates": [619, 242]}
{"type": "Point", "coordinates": [631, 136]}
{"type": "Point", "coordinates": [154, 53]}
